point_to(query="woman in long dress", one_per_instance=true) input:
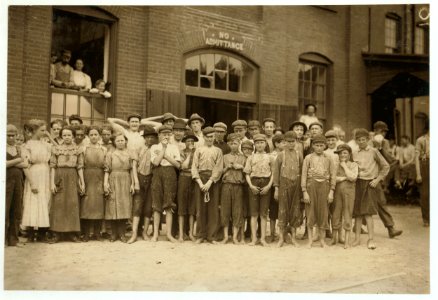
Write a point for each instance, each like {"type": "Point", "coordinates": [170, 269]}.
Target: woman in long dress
{"type": "Point", "coordinates": [66, 163]}
{"type": "Point", "coordinates": [93, 203]}
{"type": "Point", "coordinates": [37, 195]}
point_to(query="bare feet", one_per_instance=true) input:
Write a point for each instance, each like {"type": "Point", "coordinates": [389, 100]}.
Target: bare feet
{"type": "Point", "coordinates": [264, 243]}
{"type": "Point", "coordinates": [222, 242]}
{"type": "Point", "coordinates": [171, 238]}
{"type": "Point", "coordinates": [192, 238]}
{"type": "Point", "coordinates": [236, 241]}
{"type": "Point", "coordinates": [371, 245]}
{"type": "Point", "coordinates": [252, 243]}
{"type": "Point", "coordinates": [280, 243]}
{"type": "Point", "coordinates": [181, 240]}
{"type": "Point", "coordinates": [133, 239]}
{"type": "Point", "coordinates": [323, 244]}
{"type": "Point", "coordinates": [333, 242]}
{"type": "Point", "coordinates": [145, 236]}
{"type": "Point", "coordinates": [294, 242]}
{"type": "Point", "coordinates": [242, 242]}
{"type": "Point", "coordinates": [356, 243]}
{"type": "Point", "coordinates": [199, 241]}
{"type": "Point", "coordinates": [154, 238]}
{"type": "Point", "coordinates": [309, 245]}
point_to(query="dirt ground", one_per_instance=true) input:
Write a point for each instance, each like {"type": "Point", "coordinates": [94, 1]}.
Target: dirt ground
{"type": "Point", "coordinates": [399, 265]}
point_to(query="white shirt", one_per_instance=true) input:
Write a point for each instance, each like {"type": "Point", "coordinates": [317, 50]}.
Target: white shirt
{"type": "Point", "coordinates": [171, 150]}
{"type": "Point", "coordinates": [81, 79]}
{"type": "Point", "coordinates": [308, 120]}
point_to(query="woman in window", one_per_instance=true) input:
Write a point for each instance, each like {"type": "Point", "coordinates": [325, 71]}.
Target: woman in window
{"type": "Point", "coordinates": [310, 116]}
{"type": "Point", "coordinates": [81, 80]}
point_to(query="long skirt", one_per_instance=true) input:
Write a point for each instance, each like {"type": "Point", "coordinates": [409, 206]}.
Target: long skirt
{"type": "Point", "coordinates": [64, 210]}
{"type": "Point", "coordinates": [92, 203]}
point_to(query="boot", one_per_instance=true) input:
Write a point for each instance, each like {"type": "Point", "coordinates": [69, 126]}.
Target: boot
{"type": "Point", "coordinates": [393, 232]}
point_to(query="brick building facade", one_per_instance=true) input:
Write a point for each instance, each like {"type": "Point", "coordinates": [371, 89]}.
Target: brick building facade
{"type": "Point", "coordinates": [339, 57]}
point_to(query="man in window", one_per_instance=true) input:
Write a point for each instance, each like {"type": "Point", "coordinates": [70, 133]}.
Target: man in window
{"type": "Point", "coordinates": [63, 73]}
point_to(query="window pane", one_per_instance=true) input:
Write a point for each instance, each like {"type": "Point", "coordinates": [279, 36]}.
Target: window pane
{"type": "Point", "coordinates": [248, 79]}
{"type": "Point", "coordinates": [192, 70]}
{"type": "Point", "coordinates": [220, 80]}
{"type": "Point", "coordinates": [307, 87]}
{"type": "Point", "coordinates": [221, 62]}
{"type": "Point", "coordinates": [322, 75]}
{"type": "Point", "coordinates": [235, 71]}
{"type": "Point", "coordinates": [71, 105]}
{"type": "Point", "coordinates": [206, 82]}
{"type": "Point", "coordinates": [207, 64]}
{"type": "Point", "coordinates": [85, 107]}
{"type": "Point", "coordinates": [307, 69]}
{"type": "Point", "coordinates": [301, 89]}
{"type": "Point", "coordinates": [314, 73]}
{"type": "Point", "coordinates": [57, 104]}
{"type": "Point", "coordinates": [320, 93]}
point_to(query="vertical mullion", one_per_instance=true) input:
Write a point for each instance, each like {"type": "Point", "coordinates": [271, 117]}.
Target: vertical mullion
{"type": "Point", "coordinates": [64, 106]}
{"type": "Point", "coordinates": [92, 110]}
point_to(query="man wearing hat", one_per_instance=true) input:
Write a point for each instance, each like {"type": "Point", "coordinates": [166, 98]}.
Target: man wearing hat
{"type": "Point", "coordinates": [166, 159]}
{"type": "Point", "coordinates": [179, 129]}
{"type": "Point", "coordinates": [186, 186]}
{"type": "Point", "coordinates": [195, 123]}
{"type": "Point", "coordinates": [208, 163]}
{"type": "Point", "coordinates": [315, 128]}
{"type": "Point", "coordinates": [142, 200]}
{"type": "Point", "coordinates": [268, 129]}
{"type": "Point", "coordinates": [168, 119]}
{"type": "Point", "coordinates": [220, 132]}
{"type": "Point", "coordinates": [300, 129]}
{"type": "Point", "coordinates": [14, 186]}
{"type": "Point", "coordinates": [240, 128]}
{"type": "Point", "coordinates": [381, 128]}
{"type": "Point", "coordinates": [253, 128]}
{"type": "Point", "coordinates": [332, 141]}
{"type": "Point", "coordinates": [130, 129]}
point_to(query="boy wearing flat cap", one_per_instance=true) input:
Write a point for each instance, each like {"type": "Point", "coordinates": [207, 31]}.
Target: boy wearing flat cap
{"type": "Point", "coordinates": [232, 189]}
{"type": "Point", "coordinates": [142, 200]}
{"type": "Point", "coordinates": [186, 187]}
{"type": "Point", "coordinates": [208, 163]}
{"type": "Point", "coordinates": [166, 159]}
{"type": "Point", "coordinates": [179, 129]}
{"type": "Point", "coordinates": [258, 170]}
{"type": "Point", "coordinates": [195, 123]}
{"type": "Point", "coordinates": [300, 129]}
{"type": "Point", "coordinates": [253, 128]}
{"type": "Point", "coordinates": [318, 183]}
{"type": "Point", "coordinates": [220, 132]}
{"type": "Point", "coordinates": [287, 174]}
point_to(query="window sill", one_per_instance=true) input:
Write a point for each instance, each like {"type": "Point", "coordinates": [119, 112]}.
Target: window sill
{"type": "Point", "coordinates": [76, 92]}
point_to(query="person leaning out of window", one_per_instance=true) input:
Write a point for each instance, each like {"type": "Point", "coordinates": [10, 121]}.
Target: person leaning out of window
{"type": "Point", "coordinates": [99, 88]}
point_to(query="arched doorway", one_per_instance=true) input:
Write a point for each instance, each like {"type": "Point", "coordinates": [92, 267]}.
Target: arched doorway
{"type": "Point", "coordinates": [220, 86]}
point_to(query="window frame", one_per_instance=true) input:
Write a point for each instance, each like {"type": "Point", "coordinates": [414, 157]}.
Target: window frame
{"type": "Point", "coordinates": [99, 15]}
{"type": "Point", "coordinates": [198, 91]}
{"type": "Point", "coordinates": [397, 34]}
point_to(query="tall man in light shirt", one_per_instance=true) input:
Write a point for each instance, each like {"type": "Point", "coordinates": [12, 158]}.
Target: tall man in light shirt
{"type": "Point", "coordinates": [195, 123]}
{"type": "Point", "coordinates": [131, 129]}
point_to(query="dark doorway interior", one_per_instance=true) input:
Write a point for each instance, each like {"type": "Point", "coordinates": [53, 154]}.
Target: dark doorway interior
{"type": "Point", "coordinates": [216, 110]}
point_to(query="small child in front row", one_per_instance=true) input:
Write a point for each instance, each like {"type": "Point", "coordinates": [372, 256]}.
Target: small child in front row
{"type": "Point", "coordinates": [120, 183]}
{"type": "Point", "coordinates": [345, 190]}
{"type": "Point", "coordinates": [247, 148]}
{"type": "Point", "coordinates": [258, 170]}
{"type": "Point", "coordinates": [287, 173]}
{"type": "Point", "coordinates": [232, 189]}
{"type": "Point", "coordinates": [186, 187]}
{"type": "Point", "coordinates": [318, 184]}
{"type": "Point", "coordinates": [373, 168]}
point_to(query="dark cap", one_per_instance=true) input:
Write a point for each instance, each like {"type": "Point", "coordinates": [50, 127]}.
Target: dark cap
{"type": "Point", "coordinates": [259, 137]}
{"type": "Point", "coordinates": [331, 133]}
{"type": "Point", "coordinates": [247, 144]}
{"type": "Point", "coordinates": [316, 124]}
{"type": "Point", "coordinates": [133, 115]}
{"type": "Point", "coordinates": [319, 138]}
{"type": "Point", "coordinates": [380, 125]}
{"type": "Point", "coordinates": [220, 125]}
{"type": "Point", "coordinates": [298, 123]}
{"type": "Point", "coordinates": [361, 132]}
{"type": "Point", "coordinates": [239, 123]}
{"type": "Point", "coordinates": [190, 135]}
{"type": "Point", "coordinates": [233, 136]}
{"type": "Point", "coordinates": [268, 120]}
{"type": "Point", "coordinates": [277, 138]}
{"type": "Point", "coordinates": [179, 124]}
{"type": "Point", "coordinates": [164, 128]}
{"type": "Point", "coordinates": [343, 147]}
{"type": "Point", "coordinates": [149, 130]}
{"type": "Point", "coordinates": [290, 135]}
{"type": "Point", "coordinates": [254, 123]}
{"type": "Point", "coordinates": [207, 130]}
{"type": "Point", "coordinates": [167, 116]}
{"type": "Point", "coordinates": [194, 117]}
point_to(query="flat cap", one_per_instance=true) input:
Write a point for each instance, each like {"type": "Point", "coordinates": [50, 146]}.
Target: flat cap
{"type": "Point", "coordinates": [268, 120]}
{"type": "Point", "coordinates": [277, 138]}
{"type": "Point", "coordinates": [208, 130]}
{"type": "Point", "coordinates": [179, 124]}
{"type": "Point", "coordinates": [319, 138]}
{"type": "Point", "coordinates": [190, 135]}
{"type": "Point", "coordinates": [298, 123]}
{"type": "Point", "coordinates": [343, 147]}
{"type": "Point", "coordinates": [290, 135]}
{"type": "Point", "coordinates": [194, 117]}
{"type": "Point", "coordinates": [316, 124]}
{"type": "Point", "coordinates": [259, 137]}
{"type": "Point", "coordinates": [220, 125]}
{"type": "Point", "coordinates": [168, 116]}
{"type": "Point", "coordinates": [241, 123]}
{"type": "Point", "coordinates": [149, 130]}
{"type": "Point", "coordinates": [380, 125]}
{"type": "Point", "coordinates": [11, 129]}
{"type": "Point", "coordinates": [247, 144]}
{"type": "Point", "coordinates": [133, 115]}
{"type": "Point", "coordinates": [164, 128]}
{"type": "Point", "coordinates": [254, 123]}
{"type": "Point", "coordinates": [361, 132]}
{"type": "Point", "coordinates": [233, 136]}
{"type": "Point", "coordinates": [331, 133]}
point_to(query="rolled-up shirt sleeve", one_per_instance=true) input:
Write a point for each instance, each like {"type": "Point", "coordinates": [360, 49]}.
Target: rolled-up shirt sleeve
{"type": "Point", "coordinates": [218, 167]}
{"type": "Point", "coordinates": [383, 165]}
{"type": "Point", "coordinates": [195, 164]}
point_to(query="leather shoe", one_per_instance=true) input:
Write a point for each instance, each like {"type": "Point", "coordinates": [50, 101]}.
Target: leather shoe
{"type": "Point", "coordinates": [393, 232]}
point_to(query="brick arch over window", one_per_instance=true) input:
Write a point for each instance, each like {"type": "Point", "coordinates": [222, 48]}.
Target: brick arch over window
{"type": "Point", "coordinates": [314, 83]}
